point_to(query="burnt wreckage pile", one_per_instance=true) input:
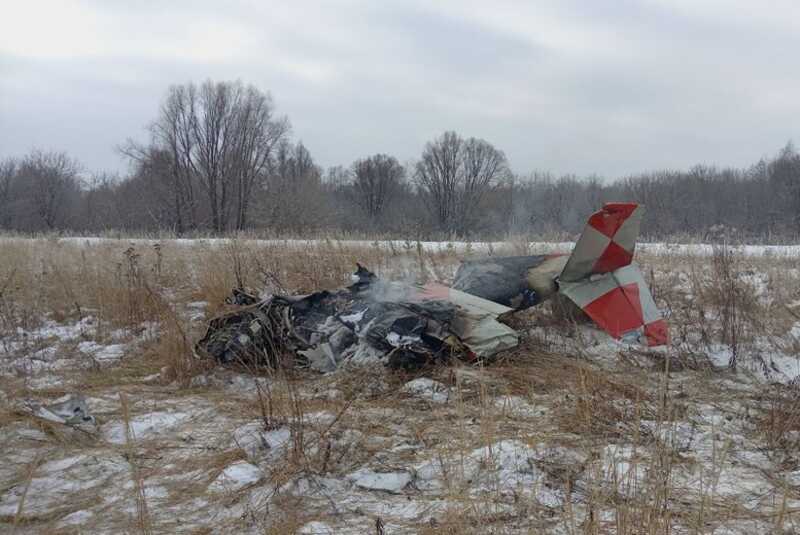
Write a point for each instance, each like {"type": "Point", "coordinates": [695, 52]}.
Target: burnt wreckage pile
{"type": "Point", "coordinates": [402, 325]}
{"type": "Point", "coordinates": [406, 325]}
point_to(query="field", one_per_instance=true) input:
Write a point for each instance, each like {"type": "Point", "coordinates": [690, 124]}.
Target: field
{"type": "Point", "coordinates": [570, 433]}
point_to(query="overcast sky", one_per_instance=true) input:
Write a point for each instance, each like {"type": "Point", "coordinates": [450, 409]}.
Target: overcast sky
{"type": "Point", "coordinates": [569, 86]}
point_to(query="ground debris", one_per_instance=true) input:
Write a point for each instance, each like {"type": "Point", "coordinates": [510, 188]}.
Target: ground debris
{"type": "Point", "coordinates": [68, 410]}
{"type": "Point", "coordinates": [401, 325]}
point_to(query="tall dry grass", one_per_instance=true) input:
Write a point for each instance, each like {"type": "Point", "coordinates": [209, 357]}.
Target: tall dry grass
{"type": "Point", "coordinates": [146, 288]}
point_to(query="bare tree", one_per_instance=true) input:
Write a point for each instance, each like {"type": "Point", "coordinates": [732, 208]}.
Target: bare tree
{"type": "Point", "coordinates": [375, 180]}
{"type": "Point", "coordinates": [454, 176]}
{"type": "Point", "coordinates": [170, 156]}
{"type": "Point", "coordinates": [8, 172]}
{"type": "Point", "coordinates": [295, 197]}
{"type": "Point", "coordinates": [235, 134]}
{"type": "Point", "coordinates": [784, 177]}
{"type": "Point", "coordinates": [437, 175]}
{"type": "Point", "coordinates": [167, 190]}
{"type": "Point", "coordinates": [338, 177]}
{"type": "Point", "coordinates": [219, 137]}
{"type": "Point", "coordinates": [98, 202]}
{"type": "Point", "coordinates": [257, 135]}
{"type": "Point", "coordinates": [484, 167]}
{"type": "Point", "coordinates": [51, 182]}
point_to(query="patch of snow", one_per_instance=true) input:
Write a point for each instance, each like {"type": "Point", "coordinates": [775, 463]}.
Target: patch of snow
{"type": "Point", "coordinates": [314, 486]}
{"type": "Point", "coordinates": [405, 446]}
{"type": "Point", "coordinates": [518, 407]}
{"type": "Point", "coordinates": [392, 508]}
{"type": "Point", "coordinates": [110, 352]}
{"type": "Point", "coordinates": [277, 438]}
{"type": "Point", "coordinates": [76, 518]}
{"type": "Point", "coordinates": [792, 478]}
{"type": "Point", "coordinates": [738, 481]}
{"type": "Point", "coordinates": [62, 332]}
{"type": "Point", "coordinates": [144, 426]}
{"type": "Point", "coordinates": [795, 330]}
{"type": "Point", "coordinates": [767, 365]}
{"type": "Point", "coordinates": [236, 476]}
{"type": "Point", "coordinates": [44, 382]}
{"type": "Point", "coordinates": [31, 434]}
{"type": "Point", "coordinates": [316, 528]}
{"type": "Point", "coordinates": [319, 418]}
{"type": "Point", "coordinates": [327, 394]}
{"type": "Point", "coordinates": [118, 335]}
{"type": "Point", "coordinates": [759, 283]}
{"type": "Point", "coordinates": [51, 492]}
{"type": "Point", "coordinates": [653, 248]}
{"type": "Point", "coordinates": [250, 439]}
{"type": "Point", "coordinates": [387, 481]}
{"type": "Point", "coordinates": [197, 310]}
{"type": "Point", "coordinates": [151, 492]}
{"type": "Point", "coordinates": [427, 389]}
{"type": "Point", "coordinates": [255, 441]}
{"type": "Point", "coordinates": [238, 383]}
{"type": "Point", "coordinates": [157, 492]}
{"type": "Point", "coordinates": [558, 456]}
{"type": "Point", "coordinates": [677, 435]}
{"type": "Point", "coordinates": [506, 467]}
{"type": "Point", "coordinates": [621, 467]}
{"type": "Point", "coordinates": [102, 352]}
{"type": "Point", "coordinates": [258, 443]}
{"type": "Point", "coordinates": [198, 381]}
{"type": "Point", "coordinates": [787, 368]}
{"type": "Point", "coordinates": [719, 355]}
{"type": "Point", "coordinates": [61, 464]}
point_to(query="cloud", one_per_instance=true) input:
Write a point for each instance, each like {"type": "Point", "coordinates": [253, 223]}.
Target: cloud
{"type": "Point", "coordinates": [80, 31]}
{"type": "Point", "coordinates": [568, 86]}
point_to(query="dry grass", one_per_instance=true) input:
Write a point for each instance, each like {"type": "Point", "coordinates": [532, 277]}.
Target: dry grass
{"type": "Point", "coordinates": [636, 400]}
{"type": "Point", "coordinates": [143, 522]}
{"type": "Point", "coordinates": [27, 485]}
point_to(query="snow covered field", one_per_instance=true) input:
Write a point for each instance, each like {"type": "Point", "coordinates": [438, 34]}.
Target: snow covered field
{"type": "Point", "coordinates": [535, 247]}
{"type": "Point", "coordinates": [572, 432]}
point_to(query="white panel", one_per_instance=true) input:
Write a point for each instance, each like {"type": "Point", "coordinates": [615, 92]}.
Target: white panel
{"type": "Point", "coordinates": [589, 248]}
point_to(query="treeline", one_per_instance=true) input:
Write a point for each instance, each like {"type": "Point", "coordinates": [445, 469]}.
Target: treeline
{"type": "Point", "coordinates": [220, 159]}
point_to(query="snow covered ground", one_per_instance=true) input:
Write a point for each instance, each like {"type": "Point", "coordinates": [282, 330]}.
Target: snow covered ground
{"type": "Point", "coordinates": [571, 433]}
{"type": "Point", "coordinates": [477, 247]}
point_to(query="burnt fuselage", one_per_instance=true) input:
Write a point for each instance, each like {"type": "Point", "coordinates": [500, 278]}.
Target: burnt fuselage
{"type": "Point", "coordinates": [514, 281]}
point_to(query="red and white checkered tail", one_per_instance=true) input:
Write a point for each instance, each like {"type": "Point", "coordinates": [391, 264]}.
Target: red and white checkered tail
{"type": "Point", "coordinates": [601, 278]}
{"type": "Point", "coordinates": [607, 242]}
{"type": "Point", "coordinates": [620, 303]}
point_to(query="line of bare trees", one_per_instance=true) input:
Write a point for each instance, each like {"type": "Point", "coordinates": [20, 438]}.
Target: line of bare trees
{"type": "Point", "coordinates": [219, 159]}
{"type": "Point", "coordinates": [40, 190]}
{"type": "Point", "coordinates": [216, 141]}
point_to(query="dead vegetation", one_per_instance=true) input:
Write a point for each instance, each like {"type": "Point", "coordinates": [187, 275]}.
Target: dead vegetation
{"type": "Point", "coordinates": [620, 440]}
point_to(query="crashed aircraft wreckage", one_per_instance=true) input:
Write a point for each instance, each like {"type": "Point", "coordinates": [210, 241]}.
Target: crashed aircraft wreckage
{"type": "Point", "coordinates": [407, 325]}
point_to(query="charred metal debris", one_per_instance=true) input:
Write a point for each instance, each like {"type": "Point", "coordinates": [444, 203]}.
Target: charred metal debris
{"type": "Point", "coordinates": [399, 324]}
{"type": "Point", "coordinates": [408, 325]}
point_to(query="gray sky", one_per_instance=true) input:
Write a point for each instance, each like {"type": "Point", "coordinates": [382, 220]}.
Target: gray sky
{"type": "Point", "coordinates": [569, 86]}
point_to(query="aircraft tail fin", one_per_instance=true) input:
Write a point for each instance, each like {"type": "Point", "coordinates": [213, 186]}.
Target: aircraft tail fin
{"type": "Point", "coordinates": [620, 303]}
{"type": "Point", "coordinates": [601, 278]}
{"type": "Point", "coordinates": [607, 242]}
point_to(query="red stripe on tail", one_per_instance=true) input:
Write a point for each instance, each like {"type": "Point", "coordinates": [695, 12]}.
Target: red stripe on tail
{"type": "Point", "coordinates": [613, 258]}
{"type": "Point", "coordinates": [618, 311]}
{"type": "Point", "coordinates": [611, 217]}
